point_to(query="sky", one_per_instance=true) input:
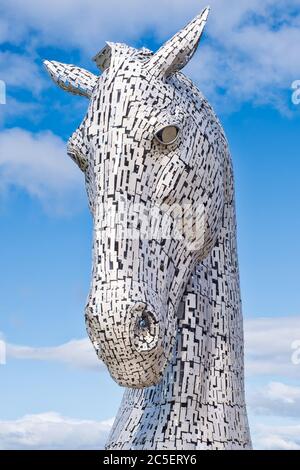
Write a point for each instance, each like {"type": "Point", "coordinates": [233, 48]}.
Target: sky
{"type": "Point", "coordinates": [54, 393]}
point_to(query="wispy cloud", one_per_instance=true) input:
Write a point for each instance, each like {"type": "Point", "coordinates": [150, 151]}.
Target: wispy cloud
{"type": "Point", "coordinates": [20, 71]}
{"type": "Point", "coordinates": [53, 431]}
{"type": "Point", "coordinates": [277, 437]}
{"type": "Point", "coordinates": [275, 399]}
{"type": "Point", "coordinates": [38, 164]}
{"type": "Point", "coordinates": [283, 393]}
{"type": "Point", "coordinates": [268, 346]}
{"type": "Point", "coordinates": [76, 353]}
{"type": "Point", "coordinates": [250, 53]}
{"type": "Point", "coordinates": [15, 108]}
{"type": "Point", "coordinates": [268, 349]}
{"type": "Point", "coordinates": [273, 404]}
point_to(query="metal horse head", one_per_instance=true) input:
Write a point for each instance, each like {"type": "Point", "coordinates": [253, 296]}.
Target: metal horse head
{"type": "Point", "coordinates": [153, 155]}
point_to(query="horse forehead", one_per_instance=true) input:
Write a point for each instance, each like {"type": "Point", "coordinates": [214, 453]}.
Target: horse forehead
{"type": "Point", "coordinates": [127, 96]}
{"type": "Point", "coordinates": [129, 82]}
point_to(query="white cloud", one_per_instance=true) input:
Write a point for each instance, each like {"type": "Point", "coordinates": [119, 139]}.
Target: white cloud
{"type": "Point", "coordinates": [4, 30]}
{"type": "Point", "coordinates": [53, 431]}
{"type": "Point", "coordinates": [16, 108]}
{"type": "Point", "coordinates": [268, 350]}
{"type": "Point", "coordinates": [77, 353]}
{"type": "Point", "coordinates": [86, 24]}
{"type": "Point", "coordinates": [275, 399]}
{"type": "Point", "coordinates": [2, 350]}
{"type": "Point", "coordinates": [281, 392]}
{"type": "Point", "coordinates": [250, 51]}
{"type": "Point", "coordinates": [277, 437]}
{"type": "Point", "coordinates": [273, 404]}
{"type": "Point", "coordinates": [38, 163]}
{"type": "Point", "coordinates": [252, 55]}
{"type": "Point", "coordinates": [21, 71]}
{"type": "Point", "coordinates": [268, 346]}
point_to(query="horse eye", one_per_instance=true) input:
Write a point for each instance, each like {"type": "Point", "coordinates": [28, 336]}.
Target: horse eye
{"type": "Point", "coordinates": [167, 135]}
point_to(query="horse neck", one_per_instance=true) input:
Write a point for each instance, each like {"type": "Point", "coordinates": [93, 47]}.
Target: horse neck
{"type": "Point", "coordinates": [200, 401]}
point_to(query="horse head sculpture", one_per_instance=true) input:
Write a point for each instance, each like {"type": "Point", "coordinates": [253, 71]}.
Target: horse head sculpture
{"type": "Point", "coordinates": [164, 309]}
{"type": "Point", "coordinates": [147, 141]}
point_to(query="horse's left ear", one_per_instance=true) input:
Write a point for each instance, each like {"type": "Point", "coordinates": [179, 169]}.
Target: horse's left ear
{"type": "Point", "coordinates": [177, 52]}
{"type": "Point", "coordinates": [71, 78]}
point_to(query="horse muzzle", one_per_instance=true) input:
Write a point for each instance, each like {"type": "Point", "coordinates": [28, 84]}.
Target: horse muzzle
{"type": "Point", "coordinates": [131, 339]}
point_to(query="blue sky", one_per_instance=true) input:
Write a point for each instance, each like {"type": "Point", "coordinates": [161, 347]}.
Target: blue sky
{"type": "Point", "coordinates": [53, 390]}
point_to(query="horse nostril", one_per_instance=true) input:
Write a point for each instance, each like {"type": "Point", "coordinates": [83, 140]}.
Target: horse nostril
{"type": "Point", "coordinates": [144, 322]}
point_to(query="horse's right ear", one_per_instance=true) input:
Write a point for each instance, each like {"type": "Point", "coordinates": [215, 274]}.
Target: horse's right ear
{"type": "Point", "coordinates": [179, 50]}
{"type": "Point", "coordinates": [70, 78]}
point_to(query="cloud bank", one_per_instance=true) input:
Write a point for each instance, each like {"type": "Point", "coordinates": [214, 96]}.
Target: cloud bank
{"type": "Point", "coordinates": [269, 346]}
{"type": "Point", "coordinates": [51, 430]}
{"type": "Point", "coordinates": [250, 52]}
{"type": "Point", "coordinates": [76, 353]}
{"type": "Point", "coordinates": [275, 404]}
{"type": "Point", "coordinates": [38, 164]}
{"type": "Point", "coordinates": [268, 349]}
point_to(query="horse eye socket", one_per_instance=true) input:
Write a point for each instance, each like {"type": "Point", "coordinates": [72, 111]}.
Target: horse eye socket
{"type": "Point", "coordinates": [167, 135]}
